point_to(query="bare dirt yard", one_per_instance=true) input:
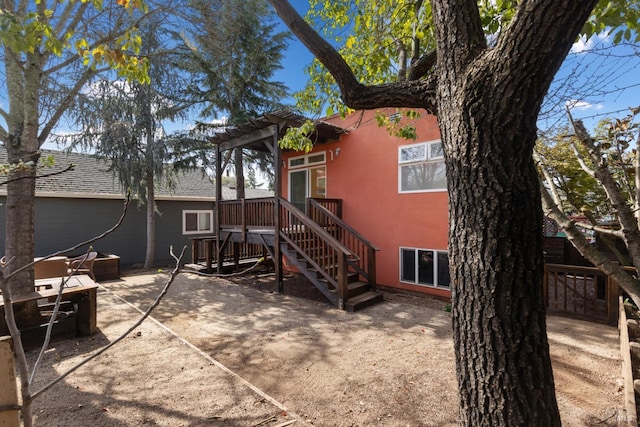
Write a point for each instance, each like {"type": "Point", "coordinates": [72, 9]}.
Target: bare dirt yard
{"type": "Point", "coordinates": [232, 353]}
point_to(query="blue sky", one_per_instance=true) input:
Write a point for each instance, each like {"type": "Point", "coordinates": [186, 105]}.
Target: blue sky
{"type": "Point", "coordinates": [601, 79]}
{"type": "Point", "coordinates": [296, 57]}
{"type": "Point", "coordinates": [604, 80]}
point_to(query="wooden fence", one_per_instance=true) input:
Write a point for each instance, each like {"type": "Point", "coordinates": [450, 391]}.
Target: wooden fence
{"type": "Point", "coordinates": [582, 292]}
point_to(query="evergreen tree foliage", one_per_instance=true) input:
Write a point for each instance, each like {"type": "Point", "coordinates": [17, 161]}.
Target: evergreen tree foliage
{"type": "Point", "coordinates": [122, 123]}
{"type": "Point", "coordinates": [233, 51]}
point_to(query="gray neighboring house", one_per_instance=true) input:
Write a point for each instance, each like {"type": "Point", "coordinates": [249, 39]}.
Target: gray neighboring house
{"type": "Point", "coordinates": [77, 205]}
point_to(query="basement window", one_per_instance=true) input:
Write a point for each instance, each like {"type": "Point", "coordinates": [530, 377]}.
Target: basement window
{"type": "Point", "coordinates": [424, 267]}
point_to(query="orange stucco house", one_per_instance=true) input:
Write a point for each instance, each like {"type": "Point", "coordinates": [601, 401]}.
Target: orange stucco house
{"type": "Point", "coordinates": [393, 191]}
{"type": "Point", "coordinates": [363, 211]}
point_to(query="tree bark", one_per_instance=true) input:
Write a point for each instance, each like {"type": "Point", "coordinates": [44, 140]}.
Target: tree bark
{"type": "Point", "coordinates": [151, 222]}
{"type": "Point", "coordinates": [22, 146]}
{"type": "Point", "coordinates": [238, 161]}
{"type": "Point", "coordinates": [487, 102]}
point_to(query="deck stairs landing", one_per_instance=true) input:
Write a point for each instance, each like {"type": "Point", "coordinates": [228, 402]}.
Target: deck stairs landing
{"type": "Point", "coordinates": [359, 293]}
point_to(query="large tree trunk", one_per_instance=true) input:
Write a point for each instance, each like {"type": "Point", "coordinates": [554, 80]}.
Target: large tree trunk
{"type": "Point", "coordinates": [488, 104]}
{"type": "Point", "coordinates": [495, 247]}
{"type": "Point", "coordinates": [22, 148]}
{"type": "Point", "coordinates": [239, 166]}
{"type": "Point", "coordinates": [20, 242]}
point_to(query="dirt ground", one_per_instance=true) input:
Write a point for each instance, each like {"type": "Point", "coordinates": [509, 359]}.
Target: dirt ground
{"type": "Point", "coordinates": [232, 353]}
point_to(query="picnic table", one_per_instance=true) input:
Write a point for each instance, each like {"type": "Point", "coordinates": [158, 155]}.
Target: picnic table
{"type": "Point", "coordinates": [80, 290]}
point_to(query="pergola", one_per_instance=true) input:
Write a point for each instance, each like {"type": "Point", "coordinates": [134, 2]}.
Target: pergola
{"type": "Point", "coordinates": [263, 134]}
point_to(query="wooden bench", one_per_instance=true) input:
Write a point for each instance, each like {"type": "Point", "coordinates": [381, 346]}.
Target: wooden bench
{"type": "Point", "coordinates": [80, 290]}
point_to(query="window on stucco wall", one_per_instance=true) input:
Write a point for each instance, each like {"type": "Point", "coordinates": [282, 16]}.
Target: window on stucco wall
{"type": "Point", "coordinates": [421, 167]}
{"type": "Point", "coordinates": [424, 267]}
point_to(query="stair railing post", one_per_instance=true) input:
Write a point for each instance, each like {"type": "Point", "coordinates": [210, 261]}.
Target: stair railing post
{"type": "Point", "coordinates": [243, 214]}
{"type": "Point", "coordinates": [613, 300]}
{"type": "Point", "coordinates": [342, 281]}
{"type": "Point", "coordinates": [218, 218]}
{"type": "Point", "coordinates": [277, 160]}
{"type": "Point", "coordinates": [371, 267]}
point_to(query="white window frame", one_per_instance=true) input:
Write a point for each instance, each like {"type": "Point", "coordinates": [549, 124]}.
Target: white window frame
{"type": "Point", "coordinates": [427, 158]}
{"type": "Point", "coordinates": [306, 163]}
{"type": "Point", "coordinates": [436, 268]}
{"type": "Point", "coordinates": [198, 212]}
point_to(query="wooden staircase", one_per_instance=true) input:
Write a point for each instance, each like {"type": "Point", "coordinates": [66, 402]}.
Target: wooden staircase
{"type": "Point", "coordinates": [359, 294]}
{"type": "Point", "coordinates": [338, 260]}
{"type": "Point", "coordinates": [330, 254]}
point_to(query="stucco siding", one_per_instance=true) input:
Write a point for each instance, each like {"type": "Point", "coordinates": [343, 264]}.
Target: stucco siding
{"type": "Point", "coordinates": [362, 170]}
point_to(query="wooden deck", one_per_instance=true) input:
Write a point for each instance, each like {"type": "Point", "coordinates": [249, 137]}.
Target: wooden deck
{"type": "Point", "coordinates": [239, 246]}
{"type": "Point", "coordinates": [332, 255]}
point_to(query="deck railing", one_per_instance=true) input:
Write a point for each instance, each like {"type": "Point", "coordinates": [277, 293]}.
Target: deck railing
{"type": "Point", "coordinates": [322, 251]}
{"type": "Point", "coordinates": [203, 249]}
{"type": "Point", "coordinates": [581, 291]}
{"type": "Point", "coordinates": [245, 213]}
{"type": "Point", "coordinates": [364, 250]}
{"type": "Point", "coordinates": [332, 205]}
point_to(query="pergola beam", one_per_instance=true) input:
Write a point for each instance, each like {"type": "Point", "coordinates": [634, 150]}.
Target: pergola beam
{"type": "Point", "coordinates": [258, 135]}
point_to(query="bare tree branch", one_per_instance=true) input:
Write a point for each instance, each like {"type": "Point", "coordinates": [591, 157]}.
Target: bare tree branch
{"type": "Point", "coordinates": [146, 314]}
{"type": "Point", "coordinates": [626, 217]}
{"type": "Point", "coordinates": [67, 169]}
{"type": "Point", "coordinates": [582, 162]}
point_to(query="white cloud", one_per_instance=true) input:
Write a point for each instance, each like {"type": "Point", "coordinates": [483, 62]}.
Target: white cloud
{"type": "Point", "coordinates": [577, 104]}
{"type": "Point", "coordinates": [585, 44]}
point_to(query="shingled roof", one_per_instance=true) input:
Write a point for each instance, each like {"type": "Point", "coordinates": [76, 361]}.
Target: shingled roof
{"type": "Point", "coordinates": [90, 178]}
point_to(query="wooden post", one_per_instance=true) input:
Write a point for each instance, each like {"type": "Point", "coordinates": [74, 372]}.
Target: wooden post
{"type": "Point", "coordinates": [219, 256]}
{"type": "Point", "coordinates": [9, 409]}
{"type": "Point", "coordinates": [243, 214]}
{"type": "Point", "coordinates": [87, 312]}
{"type": "Point", "coordinates": [371, 267]}
{"type": "Point", "coordinates": [195, 256]}
{"type": "Point", "coordinates": [276, 212]}
{"type": "Point", "coordinates": [236, 256]}
{"type": "Point", "coordinates": [342, 280]}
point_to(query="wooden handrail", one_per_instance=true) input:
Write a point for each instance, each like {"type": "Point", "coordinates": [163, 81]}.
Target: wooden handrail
{"type": "Point", "coordinates": [307, 222]}
{"type": "Point", "coordinates": [351, 238]}
{"type": "Point", "coordinates": [244, 213]}
{"type": "Point", "coordinates": [342, 224]}
{"type": "Point", "coordinates": [328, 256]}
{"type": "Point", "coordinates": [328, 202]}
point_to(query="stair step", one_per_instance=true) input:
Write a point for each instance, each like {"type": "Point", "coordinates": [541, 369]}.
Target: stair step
{"type": "Point", "coordinates": [363, 300]}
{"type": "Point", "coordinates": [353, 289]}
{"type": "Point", "coordinates": [357, 288]}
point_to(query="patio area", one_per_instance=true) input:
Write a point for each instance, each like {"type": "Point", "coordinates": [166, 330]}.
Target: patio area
{"type": "Point", "coordinates": [224, 353]}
